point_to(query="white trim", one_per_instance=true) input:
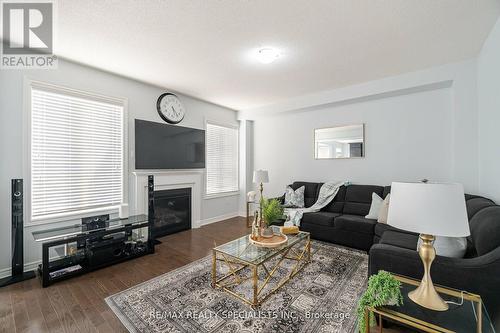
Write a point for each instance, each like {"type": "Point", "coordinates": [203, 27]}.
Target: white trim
{"type": "Point", "coordinates": [31, 266]}
{"type": "Point", "coordinates": [219, 218]}
{"type": "Point", "coordinates": [219, 195]}
{"type": "Point", "coordinates": [28, 84]}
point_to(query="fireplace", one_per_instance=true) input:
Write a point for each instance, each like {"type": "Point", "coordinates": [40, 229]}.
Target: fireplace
{"type": "Point", "coordinates": [172, 211]}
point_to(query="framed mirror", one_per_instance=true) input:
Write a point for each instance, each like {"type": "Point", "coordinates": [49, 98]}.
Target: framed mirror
{"type": "Point", "coordinates": [339, 142]}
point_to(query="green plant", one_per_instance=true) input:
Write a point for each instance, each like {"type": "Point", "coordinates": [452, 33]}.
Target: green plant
{"type": "Point", "coordinates": [383, 289]}
{"type": "Point", "coordinates": [271, 210]}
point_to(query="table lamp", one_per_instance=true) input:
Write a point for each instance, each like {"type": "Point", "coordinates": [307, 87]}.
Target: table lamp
{"type": "Point", "coordinates": [430, 209]}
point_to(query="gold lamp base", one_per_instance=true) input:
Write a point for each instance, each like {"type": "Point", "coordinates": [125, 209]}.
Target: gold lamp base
{"type": "Point", "coordinates": [426, 295]}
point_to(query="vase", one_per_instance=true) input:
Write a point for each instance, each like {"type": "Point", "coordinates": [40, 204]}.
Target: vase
{"type": "Point", "coordinates": [267, 232]}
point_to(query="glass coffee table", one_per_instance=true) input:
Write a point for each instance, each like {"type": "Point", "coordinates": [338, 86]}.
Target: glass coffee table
{"type": "Point", "coordinates": [253, 273]}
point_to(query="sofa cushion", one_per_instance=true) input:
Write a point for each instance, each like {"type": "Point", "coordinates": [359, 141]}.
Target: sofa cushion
{"type": "Point", "coordinates": [485, 229]}
{"type": "Point", "coordinates": [399, 239]}
{"type": "Point", "coordinates": [355, 223]}
{"type": "Point", "coordinates": [310, 193]}
{"type": "Point", "coordinates": [475, 204]}
{"type": "Point", "coordinates": [381, 228]}
{"type": "Point", "coordinates": [320, 218]}
{"type": "Point", "coordinates": [337, 204]}
{"type": "Point", "coordinates": [359, 198]}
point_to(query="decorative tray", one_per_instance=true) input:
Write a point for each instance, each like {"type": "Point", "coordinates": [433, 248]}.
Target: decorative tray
{"type": "Point", "coordinates": [274, 241]}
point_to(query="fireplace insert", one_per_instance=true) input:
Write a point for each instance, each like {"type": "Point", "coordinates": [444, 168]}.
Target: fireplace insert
{"type": "Point", "coordinates": [172, 211]}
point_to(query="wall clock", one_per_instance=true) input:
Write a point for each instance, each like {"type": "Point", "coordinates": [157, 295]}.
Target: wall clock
{"type": "Point", "coordinates": [170, 108]}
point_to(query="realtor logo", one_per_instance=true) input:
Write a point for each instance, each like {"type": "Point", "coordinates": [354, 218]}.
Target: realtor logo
{"type": "Point", "coordinates": [28, 35]}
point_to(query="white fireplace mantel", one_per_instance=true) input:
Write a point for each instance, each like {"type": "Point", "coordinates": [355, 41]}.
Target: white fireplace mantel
{"type": "Point", "coordinates": [166, 180]}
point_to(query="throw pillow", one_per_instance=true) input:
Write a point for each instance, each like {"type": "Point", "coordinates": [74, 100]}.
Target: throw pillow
{"type": "Point", "coordinates": [453, 247]}
{"type": "Point", "coordinates": [295, 198]}
{"type": "Point", "coordinates": [384, 210]}
{"type": "Point", "coordinates": [375, 207]}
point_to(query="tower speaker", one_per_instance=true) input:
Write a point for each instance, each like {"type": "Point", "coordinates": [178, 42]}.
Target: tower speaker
{"type": "Point", "coordinates": [18, 273]}
{"type": "Point", "coordinates": [151, 212]}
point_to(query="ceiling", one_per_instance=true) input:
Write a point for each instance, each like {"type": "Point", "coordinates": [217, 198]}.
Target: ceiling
{"type": "Point", "coordinates": [201, 47]}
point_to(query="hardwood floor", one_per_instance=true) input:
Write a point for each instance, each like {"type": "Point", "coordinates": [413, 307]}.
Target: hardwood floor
{"type": "Point", "coordinates": [77, 305]}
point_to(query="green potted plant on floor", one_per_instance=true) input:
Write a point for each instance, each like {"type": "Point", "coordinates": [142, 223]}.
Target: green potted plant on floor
{"type": "Point", "coordinates": [272, 210]}
{"type": "Point", "coordinates": [383, 289]}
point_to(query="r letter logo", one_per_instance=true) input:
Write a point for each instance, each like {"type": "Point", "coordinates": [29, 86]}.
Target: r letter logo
{"type": "Point", "coordinates": [28, 35]}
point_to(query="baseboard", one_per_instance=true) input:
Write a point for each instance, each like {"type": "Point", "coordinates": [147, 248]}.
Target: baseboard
{"type": "Point", "coordinates": [218, 218]}
{"type": "Point", "coordinates": [4, 272]}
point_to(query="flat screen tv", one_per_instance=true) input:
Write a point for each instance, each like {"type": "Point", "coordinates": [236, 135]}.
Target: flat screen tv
{"type": "Point", "coordinates": [162, 146]}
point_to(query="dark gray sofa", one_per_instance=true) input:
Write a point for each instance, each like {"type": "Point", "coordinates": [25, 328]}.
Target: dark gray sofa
{"type": "Point", "coordinates": [394, 250]}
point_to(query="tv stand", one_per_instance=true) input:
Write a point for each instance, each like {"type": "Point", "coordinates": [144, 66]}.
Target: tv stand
{"type": "Point", "coordinates": [74, 250]}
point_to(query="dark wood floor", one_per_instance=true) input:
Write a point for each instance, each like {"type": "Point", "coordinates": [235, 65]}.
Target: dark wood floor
{"type": "Point", "coordinates": [77, 305]}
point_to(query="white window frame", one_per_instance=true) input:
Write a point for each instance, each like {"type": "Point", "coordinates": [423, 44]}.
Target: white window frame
{"type": "Point", "coordinates": [222, 194]}
{"type": "Point", "coordinates": [68, 216]}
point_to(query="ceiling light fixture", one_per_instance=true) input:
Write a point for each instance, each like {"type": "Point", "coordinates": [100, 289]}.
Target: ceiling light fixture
{"type": "Point", "coordinates": [267, 55]}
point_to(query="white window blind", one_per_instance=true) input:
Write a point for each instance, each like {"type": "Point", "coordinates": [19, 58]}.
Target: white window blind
{"type": "Point", "coordinates": [222, 159]}
{"type": "Point", "coordinates": [76, 153]}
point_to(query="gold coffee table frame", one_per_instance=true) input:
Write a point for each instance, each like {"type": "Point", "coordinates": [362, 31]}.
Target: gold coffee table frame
{"type": "Point", "coordinates": [298, 249]}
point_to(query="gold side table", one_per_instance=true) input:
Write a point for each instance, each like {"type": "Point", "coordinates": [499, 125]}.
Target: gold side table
{"type": "Point", "coordinates": [470, 316]}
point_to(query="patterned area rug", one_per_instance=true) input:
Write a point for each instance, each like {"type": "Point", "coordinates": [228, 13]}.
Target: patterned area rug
{"type": "Point", "coordinates": [321, 298]}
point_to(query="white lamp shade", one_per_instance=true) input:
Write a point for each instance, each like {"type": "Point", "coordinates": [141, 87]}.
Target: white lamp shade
{"type": "Point", "coordinates": [436, 209]}
{"type": "Point", "coordinates": [260, 176]}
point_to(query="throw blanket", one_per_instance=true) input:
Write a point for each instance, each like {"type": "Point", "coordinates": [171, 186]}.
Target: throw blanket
{"type": "Point", "coordinates": [326, 194]}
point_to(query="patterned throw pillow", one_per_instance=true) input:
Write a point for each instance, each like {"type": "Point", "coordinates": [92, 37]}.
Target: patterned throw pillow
{"type": "Point", "coordinates": [295, 198]}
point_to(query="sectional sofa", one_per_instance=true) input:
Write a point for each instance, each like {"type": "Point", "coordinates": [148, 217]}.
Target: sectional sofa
{"type": "Point", "coordinates": [343, 222]}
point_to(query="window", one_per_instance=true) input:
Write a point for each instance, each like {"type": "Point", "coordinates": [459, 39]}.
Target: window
{"type": "Point", "coordinates": [76, 152]}
{"type": "Point", "coordinates": [222, 159]}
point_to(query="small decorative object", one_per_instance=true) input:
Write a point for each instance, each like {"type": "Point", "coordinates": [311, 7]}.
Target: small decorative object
{"type": "Point", "coordinates": [431, 209]}
{"type": "Point", "coordinates": [289, 230]}
{"type": "Point", "coordinates": [274, 241]}
{"type": "Point", "coordinates": [271, 211]}
{"type": "Point", "coordinates": [123, 211]}
{"type": "Point", "coordinates": [383, 289]}
{"type": "Point", "coordinates": [255, 226]}
{"type": "Point", "coordinates": [170, 108]}
{"type": "Point", "coordinates": [251, 196]}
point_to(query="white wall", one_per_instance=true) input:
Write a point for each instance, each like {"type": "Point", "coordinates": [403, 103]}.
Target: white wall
{"type": "Point", "coordinates": [418, 125]}
{"type": "Point", "coordinates": [406, 138]}
{"type": "Point", "coordinates": [141, 104]}
{"type": "Point", "coordinates": [489, 115]}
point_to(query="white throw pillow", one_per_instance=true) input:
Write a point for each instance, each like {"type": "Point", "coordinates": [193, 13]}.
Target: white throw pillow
{"type": "Point", "coordinates": [375, 207]}
{"type": "Point", "coordinates": [295, 198]}
{"type": "Point", "coordinates": [453, 247]}
{"type": "Point", "coordinates": [384, 210]}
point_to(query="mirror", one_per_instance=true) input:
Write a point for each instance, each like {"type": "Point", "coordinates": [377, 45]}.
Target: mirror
{"type": "Point", "coordinates": [339, 142]}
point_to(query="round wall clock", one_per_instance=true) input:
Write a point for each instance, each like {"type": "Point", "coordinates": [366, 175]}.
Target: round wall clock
{"type": "Point", "coordinates": [170, 108]}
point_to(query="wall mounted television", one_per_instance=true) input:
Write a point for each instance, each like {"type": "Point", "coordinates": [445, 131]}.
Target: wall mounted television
{"type": "Point", "coordinates": [162, 146]}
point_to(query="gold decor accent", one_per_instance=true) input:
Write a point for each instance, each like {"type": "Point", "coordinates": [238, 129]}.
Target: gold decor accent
{"type": "Point", "coordinates": [426, 295]}
{"type": "Point", "coordinates": [289, 230]}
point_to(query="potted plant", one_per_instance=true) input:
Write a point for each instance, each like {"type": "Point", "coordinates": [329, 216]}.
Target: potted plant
{"type": "Point", "coordinates": [383, 289]}
{"type": "Point", "coordinates": [271, 211]}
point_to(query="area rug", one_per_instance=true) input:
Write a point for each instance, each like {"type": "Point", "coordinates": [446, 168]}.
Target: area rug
{"type": "Point", "coordinates": [321, 298]}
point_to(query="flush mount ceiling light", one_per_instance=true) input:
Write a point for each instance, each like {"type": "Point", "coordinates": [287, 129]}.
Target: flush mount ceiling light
{"type": "Point", "coordinates": [267, 55]}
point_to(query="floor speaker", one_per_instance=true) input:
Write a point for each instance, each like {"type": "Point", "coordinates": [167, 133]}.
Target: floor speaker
{"type": "Point", "coordinates": [151, 212]}
{"type": "Point", "coordinates": [17, 253]}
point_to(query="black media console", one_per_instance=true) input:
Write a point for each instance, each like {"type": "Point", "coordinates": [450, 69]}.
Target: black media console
{"type": "Point", "coordinates": [78, 249]}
